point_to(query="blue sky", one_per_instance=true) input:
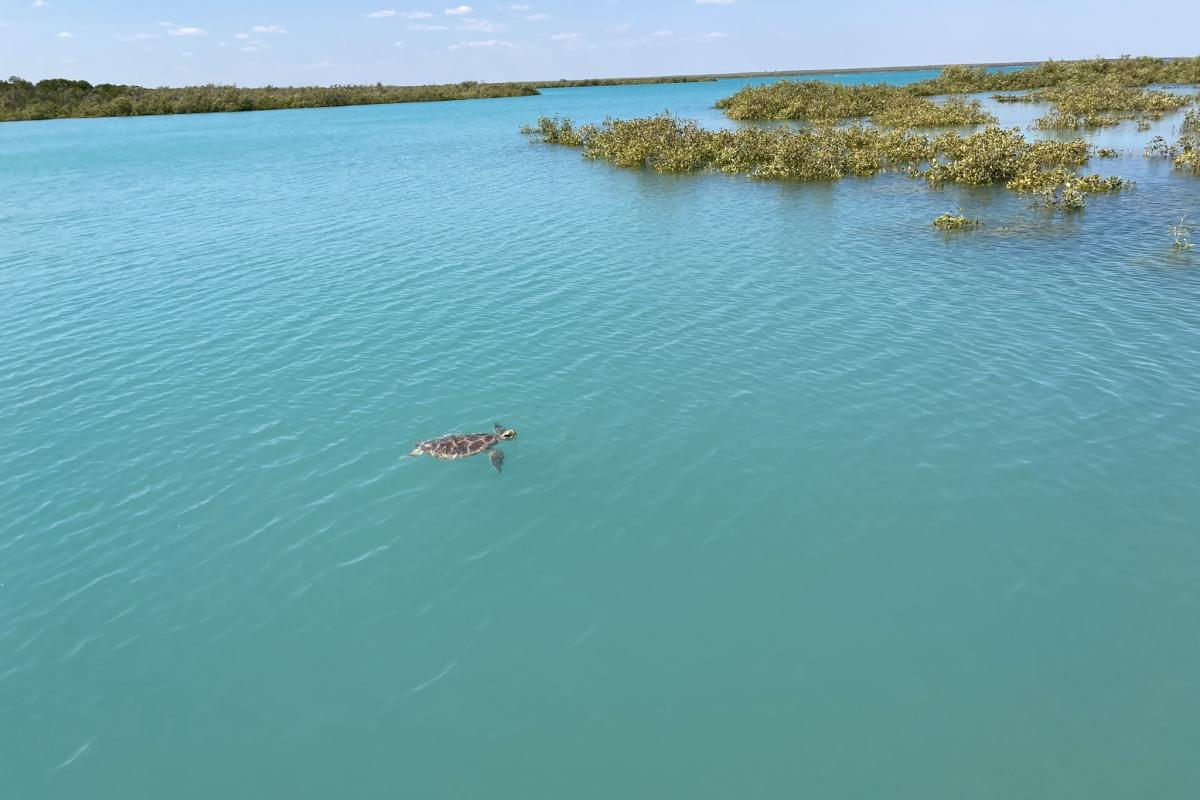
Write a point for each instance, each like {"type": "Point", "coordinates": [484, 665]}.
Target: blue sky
{"type": "Point", "coordinates": [305, 42]}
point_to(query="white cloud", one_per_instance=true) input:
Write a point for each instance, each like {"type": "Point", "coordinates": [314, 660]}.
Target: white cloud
{"type": "Point", "coordinates": [222, 44]}
{"type": "Point", "coordinates": [268, 29]}
{"type": "Point", "coordinates": [715, 35]}
{"type": "Point", "coordinates": [187, 32]}
{"type": "Point", "coordinates": [537, 16]}
{"type": "Point", "coordinates": [168, 25]}
{"type": "Point", "coordinates": [186, 53]}
{"type": "Point", "coordinates": [66, 35]}
{"type": "Point", "coordinates": [662, 34]}
{"type": "Point", "coordinates": [624, 26]}
{"type": "Point", "coordinates": [564, 37]}
{"type": "Point", "coordinates": [241, 36]}
{"type": "Point", "coordinates": [472, 24]}
{"type": "Point", "coordinates": [515, 7]}
{"type": "Point", "coordinates": [481, 43]}
{"type": "Point", "coordinates": [40, 3]}
{"type": "Point", "coordinates": [428, 27]}
{"type": "Point", "coordinates": [459, 11]}
{"type": "Point", "coordinates": [400, 14]}
{"type": "Point", "coordinates": [254, 48]}
{"type": "Point", "coordinates": [398, 44]}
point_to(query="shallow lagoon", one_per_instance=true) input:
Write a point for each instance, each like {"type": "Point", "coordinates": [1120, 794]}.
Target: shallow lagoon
{"type": "Point", "coordinates": [808, 497]}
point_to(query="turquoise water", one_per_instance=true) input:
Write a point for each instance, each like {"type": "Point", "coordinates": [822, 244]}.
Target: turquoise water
{"type": "Point", "coordinates": [808, 499]}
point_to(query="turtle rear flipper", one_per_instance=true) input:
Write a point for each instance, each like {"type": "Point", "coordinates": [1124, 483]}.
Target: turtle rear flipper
{"type": "Point", "coordinates": [496, 456]}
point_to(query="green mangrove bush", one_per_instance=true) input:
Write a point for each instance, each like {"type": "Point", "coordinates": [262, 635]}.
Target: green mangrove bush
{"type": "Point", "coordinates": [1084, 94]}
{"type": "Point", "coordinates": [1044, 169]}
{"type": "Point", "coordinates": [1187, 155]}
{"type": "Point", "coordinates": [1126, 71]}
{"type": "Point", "coordinates": [824, 102]}
{"type": "Point", "coordinates": [1103, 103]}
{"type": "Point", "coordinates": [1184, 153]}
{"type": "Point", "coordinates": [56, 97]}
{"type": "Point", "coordinates": [954, 222]}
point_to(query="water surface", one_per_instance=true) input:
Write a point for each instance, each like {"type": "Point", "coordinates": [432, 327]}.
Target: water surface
{"type": "Point", "coordinates": [808, 498]}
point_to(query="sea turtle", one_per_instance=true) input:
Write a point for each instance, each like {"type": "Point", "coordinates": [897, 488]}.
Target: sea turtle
{"type": "Point", "coordinates": [461, 445]}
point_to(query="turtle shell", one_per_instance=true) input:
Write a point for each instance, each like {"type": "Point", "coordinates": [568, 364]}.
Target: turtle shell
{"type": "Point", "coordinates": [459, 445]}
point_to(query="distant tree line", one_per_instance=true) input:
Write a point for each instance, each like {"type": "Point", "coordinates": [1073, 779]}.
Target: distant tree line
{"type": "Point", "coordinates": [58, 97]}
{"type": "Point", "coordinates": [1088, 93]}
{"type": "Point", "coordinates": [564, 83]}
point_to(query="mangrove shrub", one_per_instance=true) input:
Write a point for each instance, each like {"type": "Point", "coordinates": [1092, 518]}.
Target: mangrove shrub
{"type": "Point", "coordinates": [21, 99]}
{"type": "Point", "coordinates": [1044, 169]}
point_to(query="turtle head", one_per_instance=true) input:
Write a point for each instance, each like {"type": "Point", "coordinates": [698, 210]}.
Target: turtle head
{"type": "Point", "coordinates": [505, 433]}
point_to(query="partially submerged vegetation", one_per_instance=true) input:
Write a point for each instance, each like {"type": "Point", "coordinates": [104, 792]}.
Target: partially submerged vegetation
{"type": "Point", "coordinates": [823, 102]}
{"type": "Point", "coordinates": [1084, 94]}
{"type": "Point", "coordinates": [1191, 123]}
{"type": "Point", "coordinates": [57, 97]}
{"type": "Point", "coordinates": [1188, 157]}
{"type": "Point", "coordinates": [1045, 170]}
{"type": "Point", "coordinates": [1100, 104]}
{"type": "Point", "coordinates": [863, 130]}
{"type": "Point", "coordinates": [1182, 233]}
{"type": "Point", "coordinates": [955, 222]}
{"type": "Point", "coordinates": [1126, 71]}
{"type": "Point", "coordinates": [1185, 153]}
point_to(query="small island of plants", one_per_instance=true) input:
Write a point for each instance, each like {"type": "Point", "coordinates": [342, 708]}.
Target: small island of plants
{"type": "Point", "coordinates": [820, 101]}
{"type": "Point", "coordinates": [1083, 94]}
{"type": "Point", "coordinates": [865, 130]}
{"type": "Point", "coordinates": [1045, 170]}
{"type": "Point", "coordinates": [955, 222]}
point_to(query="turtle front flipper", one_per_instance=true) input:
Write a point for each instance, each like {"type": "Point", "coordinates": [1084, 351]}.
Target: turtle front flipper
{"type": "Point", "coordinates": [496, 456]}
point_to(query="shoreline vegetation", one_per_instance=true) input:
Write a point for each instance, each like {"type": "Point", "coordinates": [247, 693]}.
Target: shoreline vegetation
{"type": "Point", "coordinates": [833, 142]}
{"type": "Point", "coordinates": [57, 98]}
{"type": "Point", "coordinates": [822, 102]}
{"type": "Point", "coordinates": [1044, 169]}
{"type": "Point", "coordinates": [1082, 94]}
{"type": "Point", "coordinates": [869, 128]}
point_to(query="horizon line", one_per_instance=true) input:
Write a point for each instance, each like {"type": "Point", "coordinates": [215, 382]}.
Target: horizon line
{"type": "Point", "coordinates": [694, 76]}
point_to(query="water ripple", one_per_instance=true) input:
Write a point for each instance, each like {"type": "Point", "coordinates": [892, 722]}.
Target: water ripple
{"type": "Point", "coordinates": [784, 451]}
